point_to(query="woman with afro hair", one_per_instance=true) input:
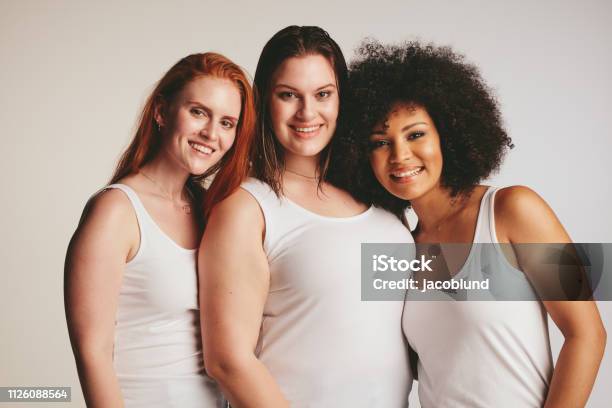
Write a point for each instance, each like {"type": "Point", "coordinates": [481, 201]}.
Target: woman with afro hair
{"type": "Point", "coordinates": [425, 131]}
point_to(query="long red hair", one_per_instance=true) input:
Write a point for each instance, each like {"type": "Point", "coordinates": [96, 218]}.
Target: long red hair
{"type": "Point", "coordinates": [233, 167]}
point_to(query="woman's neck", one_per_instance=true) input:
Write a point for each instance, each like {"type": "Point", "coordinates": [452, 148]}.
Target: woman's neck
{"type": "Point", "coordinates": [435, 207]}
{"type": "Point", "coordinates": [166, 176]}
{"type": "Point", "coordinates": [304, 166]}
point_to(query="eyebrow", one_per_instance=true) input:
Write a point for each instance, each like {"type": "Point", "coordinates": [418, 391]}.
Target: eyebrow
{"type": "Point", "coordinates": [207, 109]}
{"type": "Point", "coordinates": [405, 128]}
{"type": "Point", "coordinates": [295, 89]}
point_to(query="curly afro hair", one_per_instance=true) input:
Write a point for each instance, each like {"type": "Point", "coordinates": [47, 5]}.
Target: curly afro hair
{"type": "Point", "coordinates": [464, 110]}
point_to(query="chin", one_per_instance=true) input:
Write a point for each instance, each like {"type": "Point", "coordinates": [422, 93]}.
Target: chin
{"type": "Point", "coordinates": [313, 152]}
{"type": "Point", "coordinates": [199, 169]}
{"type": "Point", "coordinates": [306, 150]}
{"type": "Point", "coordinates": [306, 147]}
{"type": "Point", "coordinates": [401, 193]}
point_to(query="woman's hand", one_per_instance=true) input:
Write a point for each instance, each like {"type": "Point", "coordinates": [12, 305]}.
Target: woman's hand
{"type": "Point", "coordinates": [522, 217]}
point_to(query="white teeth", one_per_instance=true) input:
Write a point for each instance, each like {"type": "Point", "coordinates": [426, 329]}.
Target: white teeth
{"type": "Point", "coordinates": [200, 148]}
{"type": "Point", "coordinates": [307, 129]}
{"type": "Point", "coordinates": [407, 173]}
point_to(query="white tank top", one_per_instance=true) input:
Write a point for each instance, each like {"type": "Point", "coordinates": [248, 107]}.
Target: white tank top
{"type": "Point", "coordinates": [323, 345]}
{"type": "Point", "coordinates": [158, 353]}
{"type": "Point", "coordinates": [481, 354]}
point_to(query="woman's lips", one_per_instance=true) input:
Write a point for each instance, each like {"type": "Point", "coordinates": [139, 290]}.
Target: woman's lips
{"type": "Point", "coordinates": [202, 149]}
{"type": "Point", "coordinates": [406, 175]}
{"type": "Point", "coordinates": [306, 131]}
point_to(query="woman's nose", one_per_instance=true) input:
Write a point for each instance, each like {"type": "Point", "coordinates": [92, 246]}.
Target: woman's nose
{"type": "Point", "coordinates": [306, 111]}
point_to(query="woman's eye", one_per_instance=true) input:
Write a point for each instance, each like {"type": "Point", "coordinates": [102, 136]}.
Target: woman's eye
{"type": "Point", "coordinates": [198, 112]}
{"type": "Point", "coordinates": [323, 94]}
{"type": "Point", "coordinates": [227, 124]}
{"type": "Point", "coordinates": [375, 144]}
{"type": "Point", "coordinates": [415, 135]}
{"type": "Point", "coordinates": [287, 95]}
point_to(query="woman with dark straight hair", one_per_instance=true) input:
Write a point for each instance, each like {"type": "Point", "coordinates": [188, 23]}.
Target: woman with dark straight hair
{"type": "Point", "coordinates": [130, 274]}
{"type": "Point", "coordinates": [282, 319]}
{"type": "Point", "coordinates": [291, 42]}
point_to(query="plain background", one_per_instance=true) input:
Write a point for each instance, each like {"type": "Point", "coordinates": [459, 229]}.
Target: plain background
{"type": "Point", "coordinates": [75, 75]}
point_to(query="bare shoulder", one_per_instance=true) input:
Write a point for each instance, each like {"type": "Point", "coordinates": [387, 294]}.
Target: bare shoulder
{"type": "Point", "coordinates": [109, 205]}
{"type": "Point", "coordinates": [517, 201]}
{"type": "Point", "coordinates": [240, 210]}
{"type": "Point", "coordinates": [108, 217]}
{"type": "Point", "coordinates": [235, 226]}
{"type": "Point", "coordinates": [521, 215]}
{"type": "Point", "coordinates": [108, 230]}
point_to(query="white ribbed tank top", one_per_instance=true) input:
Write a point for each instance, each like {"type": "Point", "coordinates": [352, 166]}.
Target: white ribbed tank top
{"type": "Point", "coordinates": [481, 354]}
{"type": "Point", "coordinates": [323, 345]}
{"type": "Point", "coordinates": [158, 353]}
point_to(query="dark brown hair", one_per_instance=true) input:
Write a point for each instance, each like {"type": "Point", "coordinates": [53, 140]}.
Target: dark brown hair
{"type": "Point", "coordinates": [293, 41]}
{"type": "Point", "coordinates": [463, 108]}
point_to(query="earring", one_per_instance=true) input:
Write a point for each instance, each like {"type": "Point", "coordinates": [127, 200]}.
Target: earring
{"type": "Point", "coordinates": [158, 127]}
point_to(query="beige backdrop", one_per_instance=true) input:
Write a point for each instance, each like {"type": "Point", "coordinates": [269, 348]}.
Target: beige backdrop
{"type": "Point", "coordinates": [75, 75]}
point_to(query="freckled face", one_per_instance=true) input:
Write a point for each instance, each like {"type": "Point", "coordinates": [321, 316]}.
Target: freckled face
{"type": "Point", "coordinates": [199, 124]}
{"type": "Point", "coordinates": [304, 104]}
{"type": "Point", "coordinates": [405, 152]}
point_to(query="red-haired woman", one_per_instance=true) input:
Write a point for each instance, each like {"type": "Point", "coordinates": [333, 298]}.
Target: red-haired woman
{"type": "Point", "coordinates": [131, 282]}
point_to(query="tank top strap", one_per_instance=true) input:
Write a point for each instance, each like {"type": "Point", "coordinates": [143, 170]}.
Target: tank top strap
{"type": "Point", "coordinates": [133, 197]}
{"type": "Point", "coordinates": [270, 205]}
{"type": "Point", "coordinates": [491, 213]}
{"type": "Point", "coordinates": [485, 225]}
{"type": "Point", "coordinates": [142, 216]}
{"type": "Point", "coordinates": [263, 193]}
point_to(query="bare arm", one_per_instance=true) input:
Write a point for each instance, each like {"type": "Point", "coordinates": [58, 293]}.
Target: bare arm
{"type": "Point", "coordinates": [525, 218]}
{"type": "Point", "coordinates": [105, 238]}
{"type": "Point", "coordinates": [234, 282]}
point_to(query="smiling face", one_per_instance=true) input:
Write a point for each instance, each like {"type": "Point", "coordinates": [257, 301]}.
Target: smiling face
{"type": "Point", "coordinates": [405, 153]}
{"type": "Point", "coordinates": [304, 104]}
{"type": "Point", "coordinates": [199, 124]}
